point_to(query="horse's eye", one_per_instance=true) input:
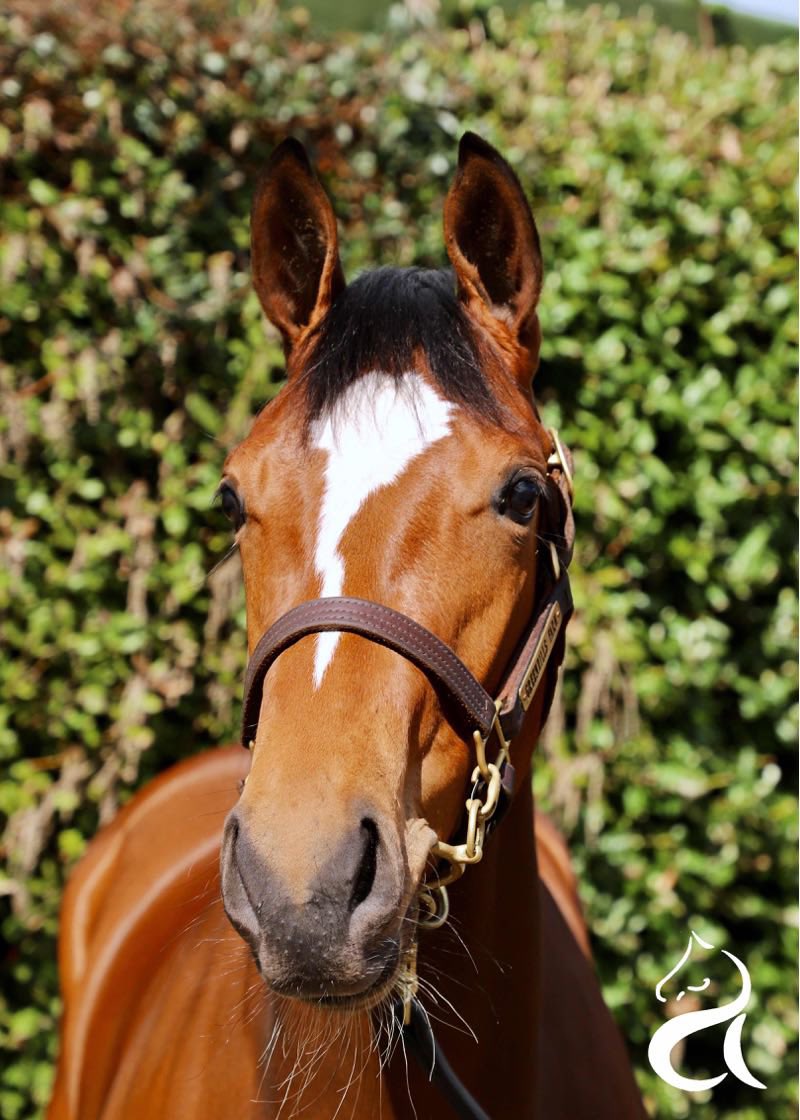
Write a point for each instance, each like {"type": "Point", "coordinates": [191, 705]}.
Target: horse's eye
{"type": "Point", "coordinates": [518, 500]}
{"type": "Point", "coordinates": [232, 505]}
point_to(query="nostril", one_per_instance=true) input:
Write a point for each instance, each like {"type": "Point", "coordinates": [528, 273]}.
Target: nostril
{"type": "Point", "coordinates": [365, 876]}
{"type": "Point", "coordinates": [236, 868]}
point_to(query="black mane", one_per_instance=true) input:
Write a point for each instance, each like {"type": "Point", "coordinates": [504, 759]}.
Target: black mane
{"type": "Point", "coordinates": [380, 320]}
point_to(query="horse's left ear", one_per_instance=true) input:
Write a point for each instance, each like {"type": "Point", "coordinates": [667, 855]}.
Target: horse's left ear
{"type": "Point", "coordinates": [294, 244]}
{"type": "Point", "coordinates": [493, 245]}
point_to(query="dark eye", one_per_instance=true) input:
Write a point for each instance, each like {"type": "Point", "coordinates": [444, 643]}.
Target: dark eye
{"type": "Point", "coordinates": [518, 499]}
{"type": "Point", "coordinates": [232, 505]}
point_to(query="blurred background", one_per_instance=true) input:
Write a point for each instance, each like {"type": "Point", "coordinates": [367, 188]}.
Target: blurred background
{"type": "Point", "coordinates": [659, 149]}
{"type": "Point", "coordinates": [750, 21]}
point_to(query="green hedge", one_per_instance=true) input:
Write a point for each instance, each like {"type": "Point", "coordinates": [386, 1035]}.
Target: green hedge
{"type": "Point", "coordinates": [133, 354]}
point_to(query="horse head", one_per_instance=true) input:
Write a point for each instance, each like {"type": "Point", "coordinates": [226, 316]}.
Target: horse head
{"type": "Point", "coordinates": [403, 463]}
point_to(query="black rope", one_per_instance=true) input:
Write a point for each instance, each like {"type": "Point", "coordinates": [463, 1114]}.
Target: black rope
{"type": "Point", "coordinates": [419, 1039]}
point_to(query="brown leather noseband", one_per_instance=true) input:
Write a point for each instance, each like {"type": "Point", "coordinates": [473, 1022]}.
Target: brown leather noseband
{"type": "Point", "coordinates": [473, 706]}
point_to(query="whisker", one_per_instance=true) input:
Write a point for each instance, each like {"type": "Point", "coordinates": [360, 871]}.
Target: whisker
{"type": "Point", "coordinates": [231, 552]}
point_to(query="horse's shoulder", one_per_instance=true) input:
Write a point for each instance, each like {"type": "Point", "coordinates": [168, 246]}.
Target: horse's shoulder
{"type": "Point", "coordinates": [556, 872]}
{"type": "Point", "coordinates": [141, 901]}
{"type": "Point", "coordinates": [171, 820]}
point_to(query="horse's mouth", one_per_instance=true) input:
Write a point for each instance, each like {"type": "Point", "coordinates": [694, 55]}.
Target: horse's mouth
{"type": "Point", "coordinates": [359, 1000]}
{"type": "Point", "coordinates": [372, 996]}
{"type": "Point", "coordinates": [334, 966]}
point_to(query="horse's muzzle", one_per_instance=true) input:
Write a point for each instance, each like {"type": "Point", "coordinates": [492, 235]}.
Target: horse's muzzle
{"type": "Point", "coordinates": [333, 938]}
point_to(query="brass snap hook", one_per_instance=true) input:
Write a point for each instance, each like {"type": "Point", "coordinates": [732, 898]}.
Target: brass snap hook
{"type": "Point", "coordinates": [436, 901]}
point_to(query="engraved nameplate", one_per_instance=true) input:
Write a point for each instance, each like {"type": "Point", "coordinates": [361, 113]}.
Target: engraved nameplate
{"type": "Point", "coordinates": [540, 656]}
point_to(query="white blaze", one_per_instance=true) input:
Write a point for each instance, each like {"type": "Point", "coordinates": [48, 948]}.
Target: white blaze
{"type": "Point", "coordinates": [376, 429]}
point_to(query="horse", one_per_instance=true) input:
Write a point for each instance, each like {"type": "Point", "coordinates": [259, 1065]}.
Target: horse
{"type": "Point", "coordinates": [261, 931]}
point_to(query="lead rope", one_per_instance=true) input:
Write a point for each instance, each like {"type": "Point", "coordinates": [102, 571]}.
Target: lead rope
{"type": "Point", "coordinates": [419, 1039]}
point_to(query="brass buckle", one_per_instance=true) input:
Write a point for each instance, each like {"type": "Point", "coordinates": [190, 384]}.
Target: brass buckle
{"type": "Point", "coordinates": [480, 744]}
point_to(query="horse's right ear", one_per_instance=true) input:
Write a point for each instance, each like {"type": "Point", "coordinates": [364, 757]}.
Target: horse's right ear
{"type": "Point", "coordinates": [493, 245]}
{"type": "Point", "coordinates": [294, 245]}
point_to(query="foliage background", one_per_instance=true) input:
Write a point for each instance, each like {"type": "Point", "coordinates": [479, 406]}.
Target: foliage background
{"type": "Point", "coordinates": [134, 353]}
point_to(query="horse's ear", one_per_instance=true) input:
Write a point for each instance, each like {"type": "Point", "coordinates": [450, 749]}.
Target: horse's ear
{"type": "Point", "coordinates": [493, 245]}
{"type": "Point", "coordinates": [294, 245]}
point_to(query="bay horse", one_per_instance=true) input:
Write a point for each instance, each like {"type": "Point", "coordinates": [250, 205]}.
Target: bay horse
{"type": "Point", "coordinates": [404, 524]}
